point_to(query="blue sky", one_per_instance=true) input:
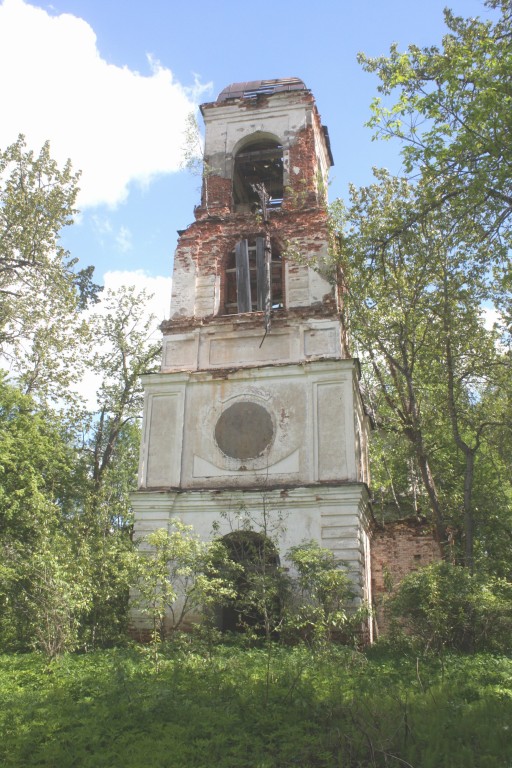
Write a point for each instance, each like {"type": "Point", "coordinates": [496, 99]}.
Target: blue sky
{"type": "Point", "coordinates": [110, 82]}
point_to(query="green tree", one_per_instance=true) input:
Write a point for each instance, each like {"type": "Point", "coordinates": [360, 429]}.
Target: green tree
{"type": "Point", "coordinates": [36, 462]}
{"type": "Point", "coordinates": [66, 535]}
{"type": "Point", "coordinates": [65, 516]}
{"type": "Point", "coordinates": [449, 106]}
{"type": "Point", "coordinates": [445, 606]}
{"type": "Point", "coordinates": [452, 115]}
{"type": "Point", "coordinates": [41, 291]}
{"type": "Point", "coordinates": [181, 577]}
{"type": "Point", "coordinates": [109, 453]}
{"type": "Point", "coordinates": [126, 349]}
{"type": "Point", "coordinates": [42, 592]}
{"type": "Point", "coordinates": [322, 595]}
{"type": "Point", "coordinates": [101, 529]}
{"type": "Point", "coordinates": [414, 300]}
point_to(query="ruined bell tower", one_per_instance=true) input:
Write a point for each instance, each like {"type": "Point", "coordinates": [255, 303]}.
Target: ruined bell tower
{"type": "Point", "coordinates": [257, 402]}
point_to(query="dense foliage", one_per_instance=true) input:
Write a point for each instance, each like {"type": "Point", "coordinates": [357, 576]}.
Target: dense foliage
{"type": "Point", "coordinates": [65, 547]}
{"type": "Point", "coordinates": [452, 115]}
{"type": "Point", "coordinates": [444, 606]}
{"type": "Point", "coordinates": [226, 709]}
{"type": "Point", "coordinates": [426, 268]}
{"type": "Point", "coordinates": [66, 466]}
{"type": "Point", "coordinates": [437, 378]}
{"type": "Point", "coordinates": [41, 290]}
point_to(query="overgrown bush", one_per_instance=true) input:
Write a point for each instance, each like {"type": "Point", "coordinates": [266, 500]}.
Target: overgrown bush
{"type": "Point", "coordinates": [445, 606]}
{"type": "Point", "coordinates": [322, 597]}
{"type": "Point", "coordinates": [260, 584]}
{"type": "Point", "coordinates": [180, 575]}
{"type": "Point", "coordinates": [239, 577]}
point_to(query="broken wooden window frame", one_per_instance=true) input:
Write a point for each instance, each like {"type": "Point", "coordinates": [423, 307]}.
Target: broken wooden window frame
{"type": "Point", "coordinates": [253, 278]}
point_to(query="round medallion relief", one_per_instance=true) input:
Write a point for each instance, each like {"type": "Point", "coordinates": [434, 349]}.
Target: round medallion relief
{"type": "Point", "coordinates": [244, 430]}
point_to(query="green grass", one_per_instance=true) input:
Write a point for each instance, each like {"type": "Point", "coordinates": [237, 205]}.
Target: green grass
{"type": "Point", "coordinates": [230, 709]}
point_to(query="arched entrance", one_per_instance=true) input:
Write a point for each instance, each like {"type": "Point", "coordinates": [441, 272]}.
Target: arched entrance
{"type": "Point", "coordinates": [257, 583]}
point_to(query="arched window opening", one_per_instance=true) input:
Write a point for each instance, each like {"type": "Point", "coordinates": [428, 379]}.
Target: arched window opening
{"type": "Point", "coordinates": [259, 563]}
{"type": "Point", "coordinates": [246, 285]}
{"type": "Point", "coordinates": [260, 162]}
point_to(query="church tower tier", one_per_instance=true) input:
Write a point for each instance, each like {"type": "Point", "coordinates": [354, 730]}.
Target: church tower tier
{"type": "Point", "coordinates": [257, 404]}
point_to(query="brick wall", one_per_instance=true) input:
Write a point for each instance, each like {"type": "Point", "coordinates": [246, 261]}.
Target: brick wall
{"type": "Point", "coordinates": [398, 548]}
{"type": "Point", "coordinates": [302, 173]}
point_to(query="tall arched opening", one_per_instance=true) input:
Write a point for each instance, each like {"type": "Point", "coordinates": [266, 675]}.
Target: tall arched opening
{"type": "Point", "coordinates": [259, 567]}
{"type": "Point", "coordinates": [259, 162]}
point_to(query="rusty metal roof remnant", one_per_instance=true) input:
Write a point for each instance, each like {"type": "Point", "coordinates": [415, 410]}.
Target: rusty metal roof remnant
{"type": "Point", "coordinates": [254, 88]}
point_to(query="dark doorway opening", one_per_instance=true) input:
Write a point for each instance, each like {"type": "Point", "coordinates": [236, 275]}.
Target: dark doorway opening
{"type": "Point", "coordinates": [256, 579]}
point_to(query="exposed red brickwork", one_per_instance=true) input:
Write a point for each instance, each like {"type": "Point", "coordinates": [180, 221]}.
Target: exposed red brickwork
{"type": "Point", "coordinates": [216, 197]}
{"type": "Point", "coordinates": [302, 189]}
{"type": "Point", "coordinates": [298, 229]}
{"type": "Point", "coordinates": [209, 240]}
{"type": "Point", "coordinates": [398, 548]}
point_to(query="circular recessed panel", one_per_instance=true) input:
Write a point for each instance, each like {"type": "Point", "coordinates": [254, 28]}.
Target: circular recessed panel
{"type": "Point", "coordinates": [244, 430]}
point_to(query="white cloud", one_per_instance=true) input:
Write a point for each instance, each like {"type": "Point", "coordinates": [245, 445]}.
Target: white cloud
{"type": "Point", "coordinates": [491, 316]}
{"type": "Point", "coordinates": [115, 124]}
{"type": "Point", "coordinates": [159, 286]}
{"type": "Point", "coordinates": [101, 224]}
{"type": "Point", "coordinates": [124, 240]}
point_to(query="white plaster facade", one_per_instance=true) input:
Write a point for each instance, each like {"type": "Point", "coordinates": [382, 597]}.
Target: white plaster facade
{"type": "Point", "coordinates": [317, 400]}
{"type": "Point", "coordinates": [333, 515]}
{"type": "Point", "coordinates": [233, 343]}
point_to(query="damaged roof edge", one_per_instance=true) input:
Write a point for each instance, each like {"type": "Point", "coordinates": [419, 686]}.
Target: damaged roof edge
{"type": "Point", "coordinates": [253, 88]}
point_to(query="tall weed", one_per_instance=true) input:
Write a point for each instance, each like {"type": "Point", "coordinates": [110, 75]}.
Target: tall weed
{"type": "Point", "coordinates": [320, 708]}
